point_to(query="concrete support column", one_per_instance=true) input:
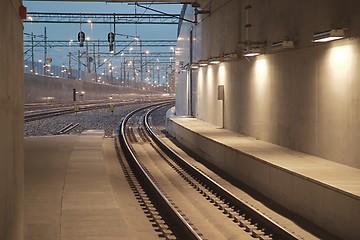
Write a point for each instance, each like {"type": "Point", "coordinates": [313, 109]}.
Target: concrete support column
{"type": "Point", "coordinates": [11, 121]}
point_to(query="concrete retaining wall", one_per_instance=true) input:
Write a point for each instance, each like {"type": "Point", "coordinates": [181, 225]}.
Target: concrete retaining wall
{"type": "Point", "coordinates": [50, 89]}
{"type": "Point", "coordinates": [305, 99]}
{"type": "Point", "coordinates": [11, 121]}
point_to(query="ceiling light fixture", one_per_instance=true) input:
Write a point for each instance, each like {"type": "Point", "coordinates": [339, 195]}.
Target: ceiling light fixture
{"type": "Point", "coordinates": [252, 52]}
{"type": "Point", "coordinates": [203, 63]}
{"type": "Point", "coordinates": [215, 61]}
{"type": "Point", "coordinates": [329, 35]}
{"type": "Point", "coordinates": [283, 45]}
{"type": "Point", "coordinates": [194, 66]}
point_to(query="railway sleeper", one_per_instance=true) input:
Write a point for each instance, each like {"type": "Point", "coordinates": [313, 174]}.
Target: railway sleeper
{"type": "Point", "coordinates": [265, 237]}
{"type": "Point", "coordinates": [258, 233]}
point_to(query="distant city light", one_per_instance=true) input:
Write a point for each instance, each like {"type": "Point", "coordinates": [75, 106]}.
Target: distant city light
{"type": "Point", "coordinates": [89, 21]}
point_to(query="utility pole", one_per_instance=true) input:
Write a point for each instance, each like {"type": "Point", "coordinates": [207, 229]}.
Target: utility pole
{"type": "Point", "coordinates": [94, 63]}
{"type": "Point", "coordinates": [114, 48]}
{"type": "Point", "coordinates": [32, 53]}
{"type": "Point", "coordinates": [79, 65]}
{"type": "Point", "coordinates": [69, 71]}
{"type": "Point", "coordinates": [87, 56]}
{"type": "Point", "coordinates": [125, 81]}
{"type": "Point", "coordinates": [45, 52]}
{"type": "Point", "coordinates": [141, 62]}
{"type": "Point", "coordinates": [111, 73]}
{"type": "Point", "coordinates": [99, 52]}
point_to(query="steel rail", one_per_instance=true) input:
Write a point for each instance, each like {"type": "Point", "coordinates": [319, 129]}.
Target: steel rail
{"type": "Point", "coordinates": [180, 221]}
{"type": "Point", "coordinates": [262, 221]}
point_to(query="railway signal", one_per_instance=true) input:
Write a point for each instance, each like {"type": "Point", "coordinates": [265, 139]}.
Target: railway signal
{"type": "Point", "coordinates": [111, 37]}
{"type": "Point", "coordinates": [111, 40]}
{"type": "Point", "coordinates": [81, 38]}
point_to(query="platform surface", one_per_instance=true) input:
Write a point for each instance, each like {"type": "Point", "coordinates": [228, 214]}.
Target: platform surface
{"type": "Point", "coordinates": [334, 175]}
{"type": "Point", "coordinates": [75, 189]}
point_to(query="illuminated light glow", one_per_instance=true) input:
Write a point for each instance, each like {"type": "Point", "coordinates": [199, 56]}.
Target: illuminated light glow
{"type": "Point", "coordinates": [89, 21]}
{"type": "Point", "coordinates": [147, 52]}
{"type": "Point", "coordinates": [105, 60]}
{"type": "Point", "coordinates": [330, 35]}
{"type": "Point", "coordinates": [87, 39]}
{"type": "Point", "coordinates": [29, 18]}
{"type": "Point", "coordinates": [261, 73]}
{"type": "Point", "coordinates": [26, 66]}
{"type": "Point", "coordinates": [340, 57]}
{"type": "Point", "coordinates": [222, 74]}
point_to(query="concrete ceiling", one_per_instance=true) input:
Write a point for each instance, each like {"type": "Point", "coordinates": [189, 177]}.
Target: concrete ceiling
{"type": "Point", "coordinates": [201, 2]}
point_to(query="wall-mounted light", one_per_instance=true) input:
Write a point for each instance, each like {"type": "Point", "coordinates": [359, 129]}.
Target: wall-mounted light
{"type": "Point", "coordinates": [194, 66]}
{"type": "Point", "coordinates": [214, 61]}
{"type": "Point", "coordinates": [282, 45]}
{"type": "Point", "coordinates": [329, 35]}
{"type": "Point", "coordinates": [230, 56]}
{"type": "Point", "coordinates": [203, 63]}
{"type": "Point", "coordinates": [252, 52]}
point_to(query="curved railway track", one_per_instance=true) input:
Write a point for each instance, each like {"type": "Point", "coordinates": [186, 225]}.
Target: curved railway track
{"type": "Point", "coordinates": [181, 201]}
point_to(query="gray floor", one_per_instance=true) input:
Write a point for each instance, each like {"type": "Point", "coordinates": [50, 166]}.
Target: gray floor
{"type": "Point", "coordinates": [75, 189]}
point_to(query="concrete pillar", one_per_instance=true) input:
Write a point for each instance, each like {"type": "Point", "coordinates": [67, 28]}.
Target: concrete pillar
{"type": "Point", "coordinates": [11, 121]}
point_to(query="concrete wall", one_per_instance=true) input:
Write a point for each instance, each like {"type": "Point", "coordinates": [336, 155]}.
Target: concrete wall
{"type": "Point", "coordinates": [305, 98]}
{"type": "Point", "coordinates": [11, 121]}
{"type": "Point", "coordinates": [50, 89]}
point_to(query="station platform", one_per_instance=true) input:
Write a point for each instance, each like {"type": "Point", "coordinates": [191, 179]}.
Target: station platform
{"type": "Point", "coordinates": [324, 192]}
{"type": "Point", "coordinates": [75, 189]}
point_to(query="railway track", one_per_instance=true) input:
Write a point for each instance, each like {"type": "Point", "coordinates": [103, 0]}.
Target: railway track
{"type": "Point", "coordinates": [183, 202]}
{"type": "Point", "coordinates": [39, 111]}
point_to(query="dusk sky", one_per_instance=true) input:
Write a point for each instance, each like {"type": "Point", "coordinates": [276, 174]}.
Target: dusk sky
{"type": "Point", "coordinates": [94, 31]}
